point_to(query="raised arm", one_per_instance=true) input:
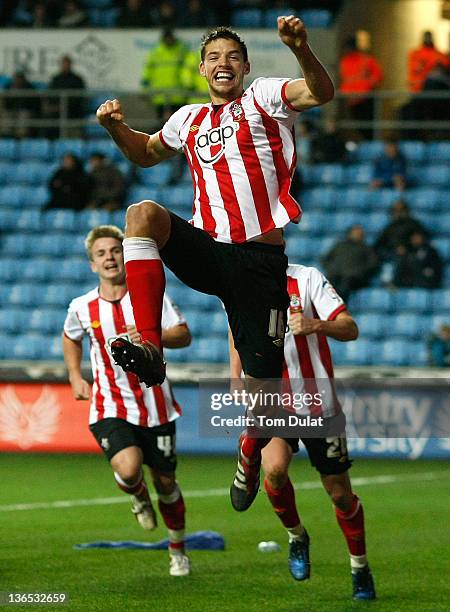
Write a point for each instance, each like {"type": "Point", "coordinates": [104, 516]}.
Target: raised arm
{"type": "Point", "coordinates": [316, 88]}
{"type": "Point", "coordinates": [142, 149]}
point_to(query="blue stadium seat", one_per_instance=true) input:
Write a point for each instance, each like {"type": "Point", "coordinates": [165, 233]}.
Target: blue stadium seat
{"type": "Point", "coordinates": [430, 175]}
{"type": "Point", "coordinates": [136, 193]}
{"type": "Point", "coordinates": [118, 218]}
{"type": "Point", "coordinates": [47, 320]}
{"type": "Point", "coordinates": [359, 173]}
{"type": "Point", "coordinates": [13, 196]}
{"type": "Point", "coordinates": [39, 149]}
{"type": "Point", "coordinates": [356, 353]}
{"type": "Point", "coordinates": [60, 219]}
{"type": "Point", "coordinates": [14, 320]}
{"type": "Point", "coordinates": [438, 152]}
{"type": "Point", "coordinates": [410, 325]}
{"type": "Point", "coordinates": [371, 325]}
{"type": "Point", "coordinates": [58, 294]}
{"type": "Point", "coordinates": [397, 352]}
{"type": "Point", "coordinates": [356, 198]}
{"type": "Point", "coordinates": [442, 224]}
{"type": "Point", "coordinates": [48, 244]}
{"type": "Point", "coordinates": [440, 301]}
{"type": "Point", "coordinates": [270, 16]}
{"type": "Point", "coordinates": [177, 197]}
{"type": "Point", "coordinates": [300, 247]}
{"type": "Point", "coordinates": [8, 219]}
{"type": "Point", "coordinates": [74, 245]}
{"type": "Point", "coordinates": [29, 221]}
{"type": "Point", "coordinates": [176, 356]}
{"type": "Point", "coordinates": [194, 318]}
{"type": "Point", "coordinates": [38, 269]}
{"type": "Point", "coordinates": [320, 198]}
{"type": "Point", "coordinates": [374, 222]}
{"type": "Point", "coordinates": [7, 172]}
{"type": "Point", "coordinates": [315, 18]}
{"type": "Point", "coordinates": [75, 269]}
{"type": "Point", "coordinates": [209, 350]}
{"type": "Point", "coordinates": [8, 149]}
{"type": "Point", "coordinates": [444, 198]}
{"type": "Point", "coordinates": [104, 145]}
{"type": "Point", "coordinates": [247, 18]}
{"type": "Point", "coordinates": [368, 151]}
{"type": "Point", "coordinates": [22, 294]}
{"type": "Point", "coordinates": [371, 298]}
{"type": "Point", "coordinates": [16, 244]}
{"type": "Point", "coordinates": [201, 301]}
{"type": "Point", "coordinates": [413, 300]}
{"type": "Point", "coordinates": [27, 347]}
{"type": "Point", "coordinates": [320, 174]}
{"type": "Point", "coordinates": [10, 267]}
{"type": "Point", "coordinates": [53, 347]}
{"type": "Point", "coordinates": [68, 145]}
{"type": "Point", "coordinates": [219, 324]}
{"type": "Point", "coordinates": [442, 245]}
{"type": "Point", "coordinates": [314, 222]}
{"type": "Point", "coordinates": [155, 175]}
{"type": "Point", "coordinates": [413, 150]}
{"type": "Point", "coordinates": [382, 199]}
{"type": "Point", "coordinates": [87, 219]}
{"type": "Point", "coordinates": [425, 198]}
{"type": "Point", "coordinates": [36, 196]}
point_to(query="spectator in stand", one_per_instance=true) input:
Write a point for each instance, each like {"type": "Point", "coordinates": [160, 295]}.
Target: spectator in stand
{"type": "Point", "coordinates": [439, 348]}
{"type": "Point", "coordinates": [70, 185]}
{"type": "Point", "coordinates": [165, 15]}
{"type": "Point", "coordinates": [20, 109]}
{"type": "Point", "coordinates": [65, 79]}
{"type": "Point", "coordinates": [418, 264]}
{"type": "Point", "coordinates": [197, 15]}
{"type": "Point", "coordinates": [40, 17]}
{"type": "Point", "coordinates": [73, 15]}
{"type": "Point", "coordinates": [422, 61]}
{"type": "Point", "coordinates": [162, 72]}
{"type": "Point", "coordinates": [351, 262]}
{"type": "Point", "coordinates": [360, 73]}
{"type": "Point", "coordinates": [397, 232]}
{"type": "Point", "coordinates": [328, 146]}
{"type": "Point", "coordinates": [134, 15]}
{"type": "Point", "coordinates": [108, 183]}
{"type": "Point", "coordinates": [390, 168]}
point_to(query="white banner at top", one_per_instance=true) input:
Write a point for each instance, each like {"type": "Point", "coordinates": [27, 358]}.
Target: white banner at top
{"type": "Point", "coordinates": [113, 59]}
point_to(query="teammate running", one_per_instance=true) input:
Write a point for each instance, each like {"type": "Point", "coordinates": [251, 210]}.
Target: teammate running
{"type": "Point", "coordinates": [316, 311]}
{"type": "Point", "coordinates": [132, 424]}
{"type": "Point", "coordinates": [241, 152]}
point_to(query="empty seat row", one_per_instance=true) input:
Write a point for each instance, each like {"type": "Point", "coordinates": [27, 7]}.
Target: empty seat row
{"type": "Point", "coordinates": [396, 352]}
{"type": "Point", "coordinates": [415, 151]}
{"type": "Point", "coordinates": [401, 300]}
{"type": "Point", "coordinates": [53, 221]}
{"type": "Point", "coordinates": [41, 149]}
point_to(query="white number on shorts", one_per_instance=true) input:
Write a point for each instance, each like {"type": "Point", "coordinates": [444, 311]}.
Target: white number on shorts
{"type": "Point", "coordinates": [164, 444]}
{"type": "Point", "coordinates": [337, 448]}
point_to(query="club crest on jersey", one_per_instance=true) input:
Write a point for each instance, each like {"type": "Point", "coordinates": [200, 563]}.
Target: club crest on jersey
{"type": "Point", "coordinates": [237, 112]}
{"type": "Point", "coordinates": [295, 302]}
{"type": "Point", "coordinates": [210, 146]}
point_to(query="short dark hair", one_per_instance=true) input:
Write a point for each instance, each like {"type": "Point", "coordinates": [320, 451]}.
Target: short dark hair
{"type": "Point", "coordinates": [223, 32]}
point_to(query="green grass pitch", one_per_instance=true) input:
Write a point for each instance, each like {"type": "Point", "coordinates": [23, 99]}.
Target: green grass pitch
{"type": "Point", "coordinates": [407, 519]}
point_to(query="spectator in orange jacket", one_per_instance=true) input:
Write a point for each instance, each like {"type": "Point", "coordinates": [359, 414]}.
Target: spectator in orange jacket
{"type": "Point", "coordinates": [422, 61]}
{"type": "Point", "coordinates": [359, 73]}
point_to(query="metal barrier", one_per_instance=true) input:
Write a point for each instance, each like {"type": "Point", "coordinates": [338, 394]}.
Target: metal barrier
{"type": "Point", "coordinates": [60, 119]}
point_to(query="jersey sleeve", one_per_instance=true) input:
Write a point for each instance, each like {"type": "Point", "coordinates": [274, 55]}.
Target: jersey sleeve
{"type": "Point", "coordinates": [72, 326]}
{"type": "Point", "coordinates": [171, 314]}
{"type": "Point", "coordinates": [169, 135]}
{"type": "Point", "coordinates": [271, 95]}
{"type": "Point", "coordinates": [327, 302]}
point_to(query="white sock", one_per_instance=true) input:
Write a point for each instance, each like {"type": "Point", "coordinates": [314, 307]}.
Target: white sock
{"type": "Point", "coordinates": [296, 533]}
{"type": "Point", "coordinates": [139, 248]}
{"type": "Point", "coordinates": [358, 562]}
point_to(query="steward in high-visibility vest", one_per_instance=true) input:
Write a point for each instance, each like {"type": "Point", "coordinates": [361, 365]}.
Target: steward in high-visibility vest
{"type": "Point", "coordinates": [359, 72]}
{"type": "Point", "coordinates": [192, 81]}
{"type": "Point", "coordinates": [162, 71]}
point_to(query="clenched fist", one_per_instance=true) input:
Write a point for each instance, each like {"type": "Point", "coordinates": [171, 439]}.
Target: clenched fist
{"type": "Point", "coordinates": [109, 113]}
{"type": "Point", "coordinates": [292, 31]}
{"type": "Point", "coordinates": [302, 326]}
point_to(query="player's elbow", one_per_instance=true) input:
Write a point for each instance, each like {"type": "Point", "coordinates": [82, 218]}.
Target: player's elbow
{"type": "Point", "coordinates": [185, 338]}
{"type": "Point", "coordinates": [352, 332]}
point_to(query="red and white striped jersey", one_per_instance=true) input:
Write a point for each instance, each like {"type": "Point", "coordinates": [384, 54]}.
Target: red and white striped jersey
{"type": "Point", "coordinates": [308, 364]}
{"type": "Point", "coordinates": [242, 158]}
{"type": "Point", "coordinates": [116, 393]}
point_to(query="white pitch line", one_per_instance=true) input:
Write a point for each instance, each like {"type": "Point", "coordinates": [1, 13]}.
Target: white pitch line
{"type": "Point", "coordinates": [313, 484]}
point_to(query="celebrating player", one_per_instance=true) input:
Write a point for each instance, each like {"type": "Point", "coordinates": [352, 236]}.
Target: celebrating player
{"type": "Point", "coordinates": [316, 311]}
{"type": "Point", "coordinates": [241, 152]}
{"type": "Point", "coordinates": [131, 423]}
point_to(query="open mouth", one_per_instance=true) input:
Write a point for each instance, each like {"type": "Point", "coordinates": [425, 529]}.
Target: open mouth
{"type": "Point", "coordinates": [223, 77]}
{"type": "Point", "coordinates": [111, 267]}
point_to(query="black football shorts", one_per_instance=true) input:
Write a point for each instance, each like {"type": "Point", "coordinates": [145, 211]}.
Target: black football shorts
{"type": "Point", "coordinates": [156, 443]}
{"type": "Point", "coordinates": [249, 278]}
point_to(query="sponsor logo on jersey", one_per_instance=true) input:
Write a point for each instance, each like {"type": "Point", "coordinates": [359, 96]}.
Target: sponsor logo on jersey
{"type": "Point", "coordinates": [210, 146]}
{"type": "Point", "coordinates": [194, 128]}
{"type": "Point", "coordinates": [96, 324]}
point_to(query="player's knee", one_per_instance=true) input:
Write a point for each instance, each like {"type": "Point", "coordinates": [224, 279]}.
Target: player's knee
{"type": "Point", "coordinates": [276, 475]}
{"type": "Point", "coordinates": [164, 483]}
{"type": "Point", "coordinates": [147, 218]}
{"type": "Point", "coordinates": [142, 212]}
{"type": "Point", "coordinates": [341, 499]}
{"type": "Point", "coordinates": [129, 471]}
